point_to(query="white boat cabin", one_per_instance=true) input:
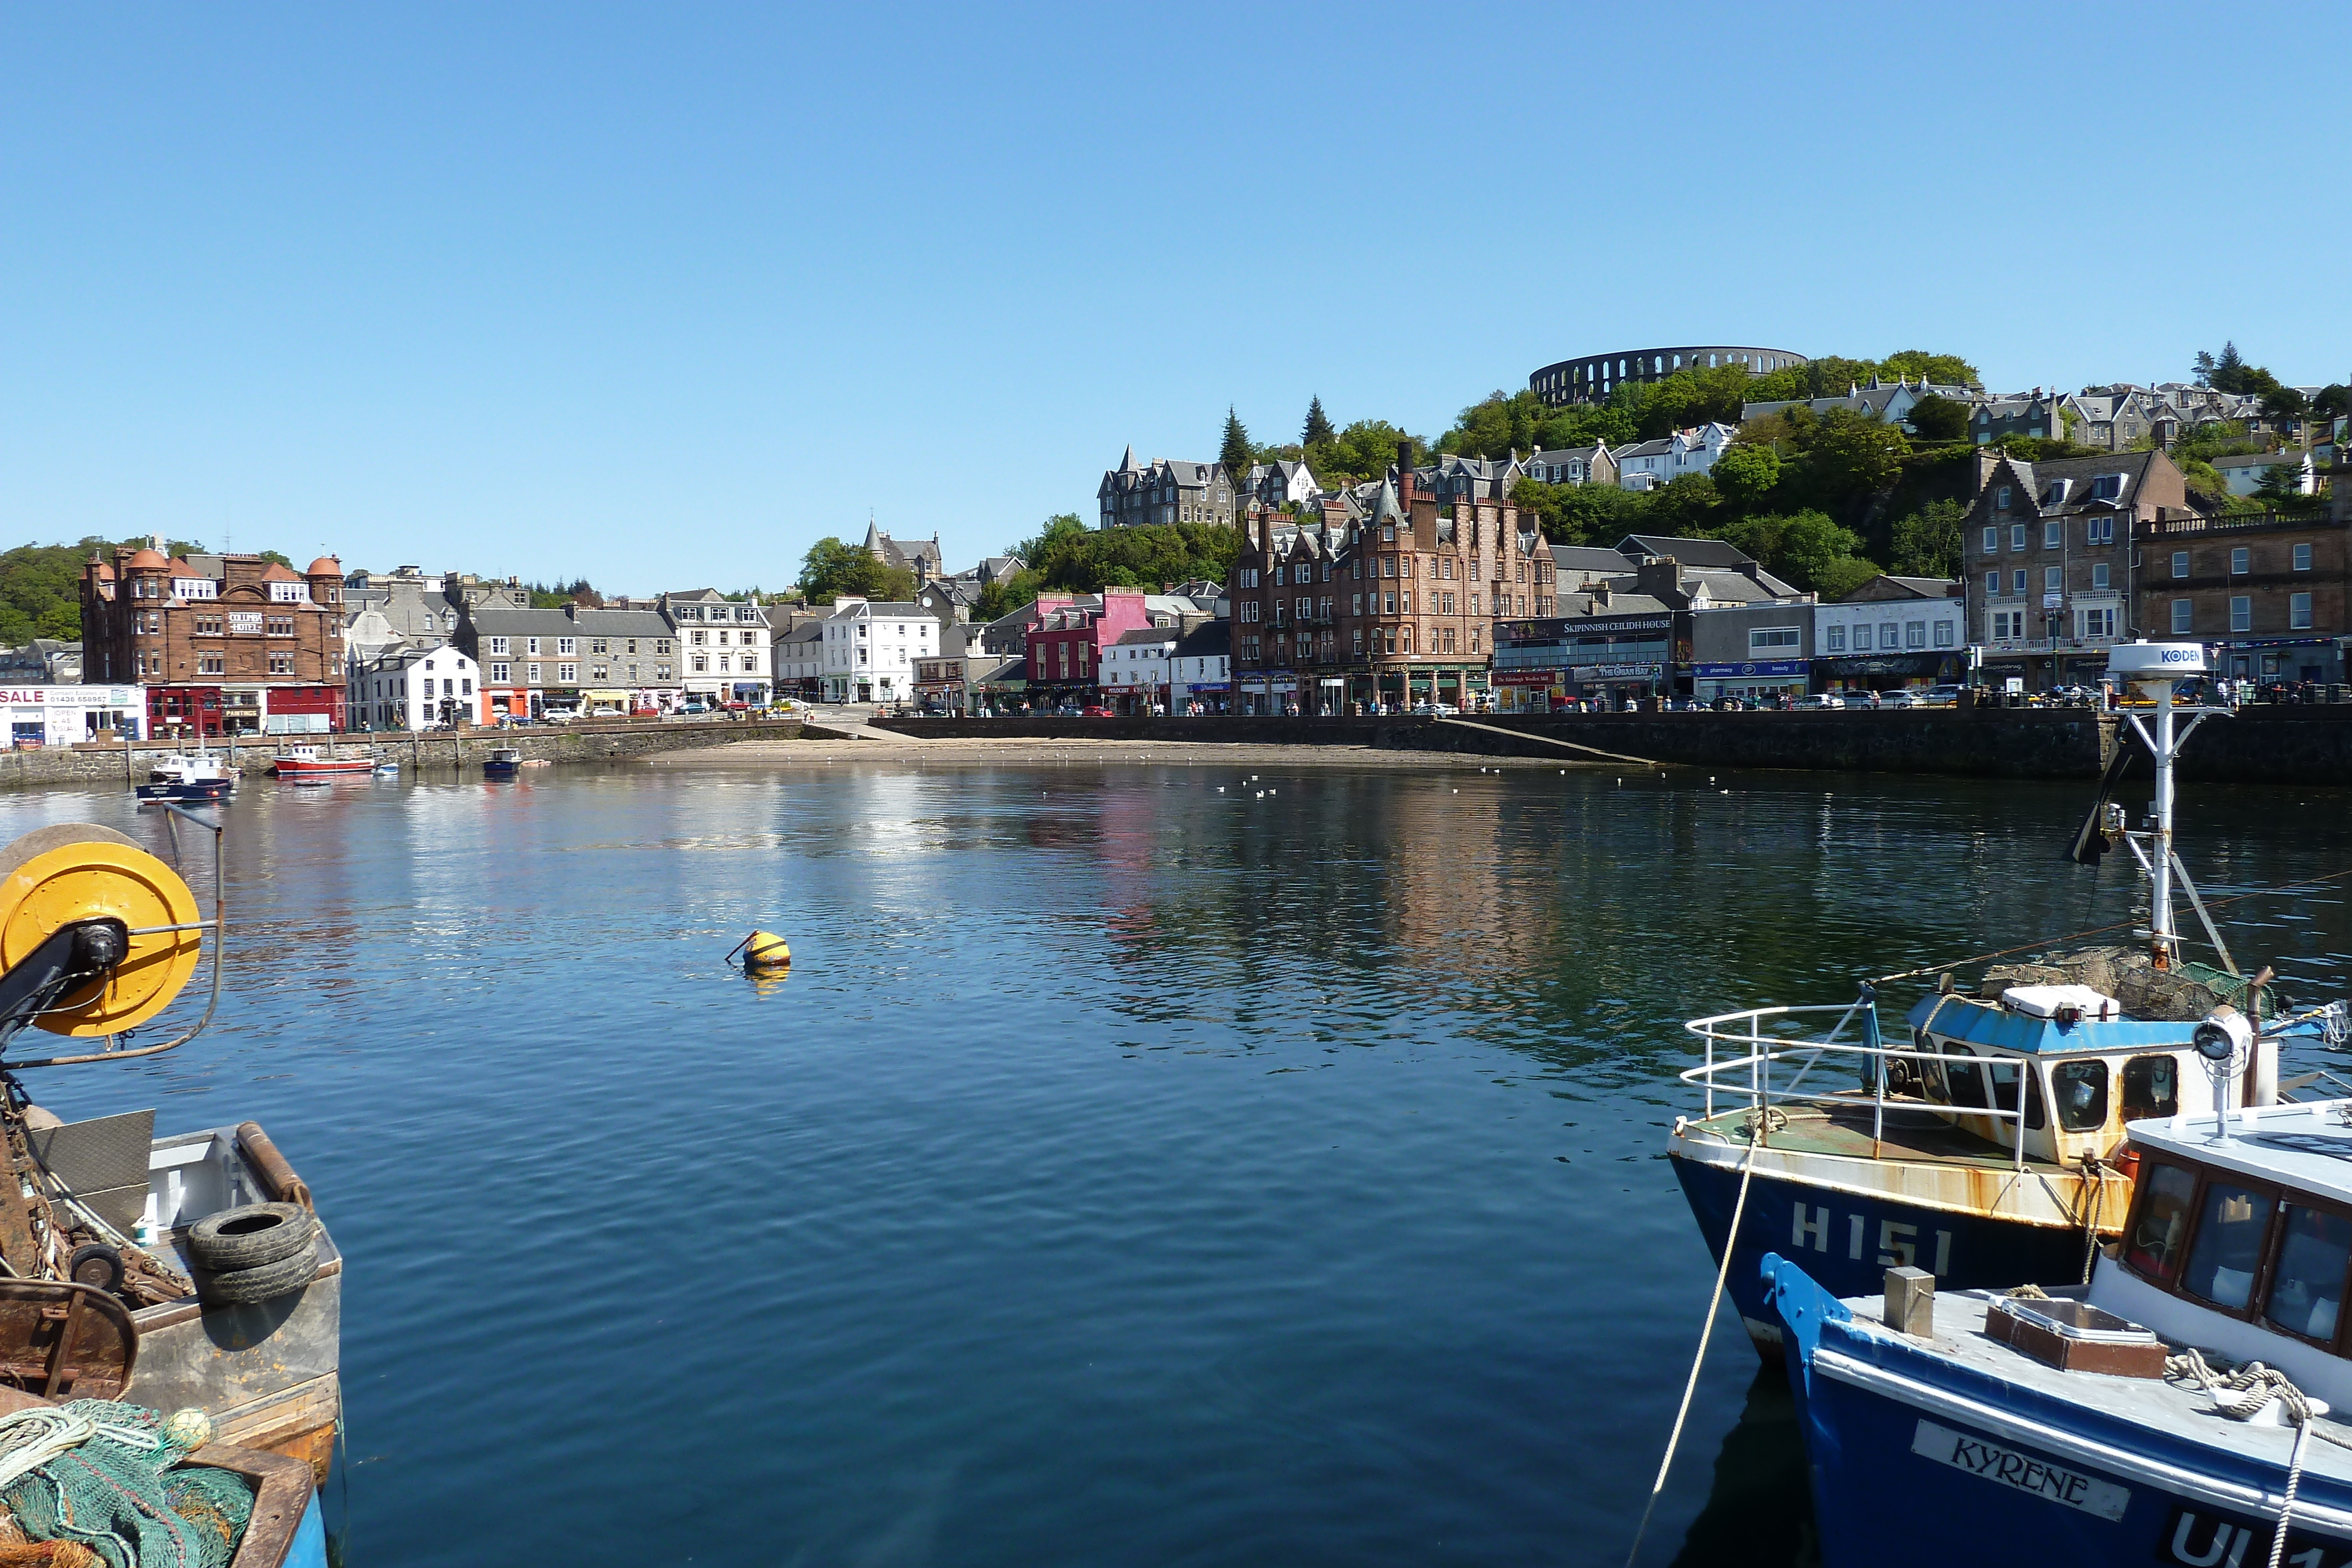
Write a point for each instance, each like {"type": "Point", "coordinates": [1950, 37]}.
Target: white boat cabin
{"type": "Point", "coordinates": [2243, 1244]}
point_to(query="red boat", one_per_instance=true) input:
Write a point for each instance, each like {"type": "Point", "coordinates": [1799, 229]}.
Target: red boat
{"type": "Point", "coordinates": [310, 762]}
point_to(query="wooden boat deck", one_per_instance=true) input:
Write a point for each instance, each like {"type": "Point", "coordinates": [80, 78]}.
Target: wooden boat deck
{"type": "Point", "coordinates": [1840, 1127]}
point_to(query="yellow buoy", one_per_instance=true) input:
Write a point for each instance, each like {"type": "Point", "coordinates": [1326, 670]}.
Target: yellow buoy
{"type": "Point", "coordinates": [765, 950]}
{"type": "Point", "coordinates": [47, 884]}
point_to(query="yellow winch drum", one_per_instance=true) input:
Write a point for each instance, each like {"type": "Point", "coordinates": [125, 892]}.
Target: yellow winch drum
{"type": "Point", "coordinates": [55, 876]}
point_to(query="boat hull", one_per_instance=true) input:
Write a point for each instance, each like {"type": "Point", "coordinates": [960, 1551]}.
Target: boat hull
{"type": "Point", "coordinates": [338, 768]}
{"type": "Point", "coordinates": [501, 769]}
{"type": "Point", "coordinates": [1848, 1239]}
{"type": "Point", "coordinates": [1894, 1440]}
{"type": "Point", "coordinates": [205, 789]}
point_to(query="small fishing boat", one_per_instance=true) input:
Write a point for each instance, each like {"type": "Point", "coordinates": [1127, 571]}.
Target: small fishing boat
{"type": "Point", "coordinates": [1983, 1145]}
{"type": "Point", "coordinates": [187, 1271]}
{"type": "Point", "coordinates": [2164, 1412]}
{"type": "Point", "coordinates": [318, 762]}
{"type": "Point", "coordinates": [387, 769]}
{"type": "Point", "coordinates": [503, 762]}
{"type": "Point", "coordinates": [188, 776]}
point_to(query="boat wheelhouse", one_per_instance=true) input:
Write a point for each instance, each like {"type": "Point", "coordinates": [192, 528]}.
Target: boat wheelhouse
{"type": "Point", "coordinates": [2164, 1412]}
{"type": "Point", "coordinates": [1983, 1146]}
{"type": "Point", "coordinates": [503, 762]}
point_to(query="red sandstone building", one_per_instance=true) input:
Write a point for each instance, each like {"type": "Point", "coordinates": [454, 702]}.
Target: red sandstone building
{"type": "Point", "coordinates": [1395, 608]}
{"type": "Point", "coordinates": [226, 645]}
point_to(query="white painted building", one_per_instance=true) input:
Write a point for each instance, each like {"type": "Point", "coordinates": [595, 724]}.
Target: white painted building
{"type": "Point", "coordinates": [2244, 474]}
{"type": "Point", "coordinates": [1646, 464]}
{"type": "Point", "coordinates": [870, 649]}
{"type": "Point", "coordinates": [1891, 632]}
{"type": "Point", "coordinates": [723, 653]}
{"type": "Point", "coordinates": [416, 689]}
{"type": "Point", "coordinates": [1135, 669]}
{"type": "Point", "coordinates": [68, 716]}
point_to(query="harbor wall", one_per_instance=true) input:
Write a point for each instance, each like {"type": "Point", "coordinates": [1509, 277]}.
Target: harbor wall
{"type": "Point", "coordinates": [2284, 744]}
{"type": "Point", "coordinates": [105, 761]}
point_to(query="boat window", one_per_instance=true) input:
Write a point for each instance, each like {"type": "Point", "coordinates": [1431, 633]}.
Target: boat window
{"type": "Point", "coordinates": [2002, 1071]}
{"type": "Point", "coordinates": [2227, 1246]}
{"type": "Point", "coordinates": [1931, 1074]}
{"type": "Point", "coordinates": [2314, 1251]}
{"type": "Point", "coordinates": [1967, 1079]}
{"type": "Point", "coordinates": [2079, 1090]}
{"type": "Point", "coordinates": [2156, 1235]}
{"type": "Point", "coordinates": [2150, 1087]}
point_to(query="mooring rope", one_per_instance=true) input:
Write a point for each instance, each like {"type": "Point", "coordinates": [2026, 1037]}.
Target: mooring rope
{"type": "Point", "coordinates": [2257, 1387]}
{"type": "Point", "coordinates": [1690, 1385]}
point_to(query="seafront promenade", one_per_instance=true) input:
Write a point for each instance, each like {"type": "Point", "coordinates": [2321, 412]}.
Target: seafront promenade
{"type": "Point", "coordinates": [2284, 744]}
{"type": "Point", "coordinates": [423, 751]}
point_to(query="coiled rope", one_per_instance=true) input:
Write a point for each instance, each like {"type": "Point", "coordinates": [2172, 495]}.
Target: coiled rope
{"type": "Point", "coordinates": [1756, 1126]}
{"type": "Point", "coordinates": [2255, 1388]}
{"type": "Point", "coordinates": [32, 1438]}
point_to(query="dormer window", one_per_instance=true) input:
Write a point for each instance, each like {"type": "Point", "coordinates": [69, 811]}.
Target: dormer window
{"type": "Point", "coordinates": [2054, 493]}
{"type": "Point", "coordinates": [2106, 487]}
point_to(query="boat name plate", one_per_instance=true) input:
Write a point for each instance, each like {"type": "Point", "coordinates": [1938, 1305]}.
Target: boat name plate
{"type": "Point", "coordinates": [2024, 1472]}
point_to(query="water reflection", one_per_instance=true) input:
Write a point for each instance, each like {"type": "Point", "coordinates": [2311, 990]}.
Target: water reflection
{"type": "Point", "coordinates": [1758, 1508]}
{"type": "Point", "coordinates": [1128, 1172]}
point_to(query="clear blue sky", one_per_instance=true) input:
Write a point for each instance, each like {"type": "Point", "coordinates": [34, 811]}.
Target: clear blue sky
{"type": "Point", "coordinates": [662, 294]}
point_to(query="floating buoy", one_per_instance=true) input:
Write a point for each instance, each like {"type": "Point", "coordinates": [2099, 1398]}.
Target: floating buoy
{"type": "Point", "coordinates": [765, 950]}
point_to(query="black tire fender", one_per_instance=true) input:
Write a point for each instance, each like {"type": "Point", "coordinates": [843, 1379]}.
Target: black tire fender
{"type": "Point", "coordinates": [239, 1287]}
{"type": "Point", "coordinates": [250, 1235]}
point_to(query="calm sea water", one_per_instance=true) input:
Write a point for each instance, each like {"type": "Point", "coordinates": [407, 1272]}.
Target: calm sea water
{"type": "Point", "coordinates": [1127, 1173]}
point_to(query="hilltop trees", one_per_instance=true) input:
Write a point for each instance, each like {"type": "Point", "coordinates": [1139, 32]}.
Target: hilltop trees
{"type": "Point", "coordinates": [1236, 454]}
{"type": "Point", "coordinates": [1319, 431]}
{"type": "Point", "coordinates": [833, 567]}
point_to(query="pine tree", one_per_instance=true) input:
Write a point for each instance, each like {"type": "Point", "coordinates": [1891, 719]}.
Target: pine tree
{"type": "Point", "coordinates": [1318, 431]}
{"type": "Point", "coordinates": [1235, 452]}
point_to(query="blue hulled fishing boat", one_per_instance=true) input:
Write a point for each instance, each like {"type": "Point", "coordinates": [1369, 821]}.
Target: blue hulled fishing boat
{"type": "Point", "coordinates": [1986, 1144]}
{"type": "Point", "coordinates": [2181, 1407]}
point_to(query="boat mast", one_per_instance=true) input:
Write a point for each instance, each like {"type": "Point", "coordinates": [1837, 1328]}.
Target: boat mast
{"type": "Point", "coordinates": [2155, 670]}
{"type": "Point", "coordinates": [2161, 935]}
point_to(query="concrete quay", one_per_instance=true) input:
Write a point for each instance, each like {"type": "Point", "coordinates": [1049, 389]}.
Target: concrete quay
{"type": "Point", "coordinates": [2264, 743]}
{"type": "Point", "coordinates": [100, 761]}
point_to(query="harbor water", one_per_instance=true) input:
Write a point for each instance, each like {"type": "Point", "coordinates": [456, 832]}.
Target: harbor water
{"type": "Point", "coordinates": [1127, 1171]}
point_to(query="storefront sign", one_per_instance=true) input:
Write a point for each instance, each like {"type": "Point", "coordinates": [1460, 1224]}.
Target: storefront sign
{"type": "Point", "coordinates": [1751, 671]}
{"type": "Point", "coordinates": [245, 622]}
{"type": "Point", "coordinates": [1650, 671]}
{"type": "Point", "coordinates": [1886, 664]}
{"type": "Point", "coordinates": [1525, 677]}
{"type": "Point", "coordinates": [1209, 686]}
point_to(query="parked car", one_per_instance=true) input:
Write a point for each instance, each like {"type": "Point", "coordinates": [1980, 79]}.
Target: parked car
{"type": "Point", "coordinates": [1901, 699]}
{"type": "Point", "coordinates": [1942, 696]}
{"type": "Point", "coordinates": [1817, 702]}
{"type": "Point", "coordinates": [1094, 710]}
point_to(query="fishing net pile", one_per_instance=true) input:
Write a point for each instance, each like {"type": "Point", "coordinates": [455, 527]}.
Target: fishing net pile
{"type": "Point", "coordinates": [100, 1482]}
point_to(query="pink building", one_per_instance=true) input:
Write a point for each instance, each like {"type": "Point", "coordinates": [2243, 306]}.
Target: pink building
{"type": "Point", "coordinates": [1066, 645]}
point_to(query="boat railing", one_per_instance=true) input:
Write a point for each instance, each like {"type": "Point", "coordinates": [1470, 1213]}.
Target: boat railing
{"type": "Point", "coordinates": [1748, 1072]}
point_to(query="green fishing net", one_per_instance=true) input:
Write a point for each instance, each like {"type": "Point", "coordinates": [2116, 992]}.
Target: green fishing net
{"type": "Point", "coordinates": [123, 1492]}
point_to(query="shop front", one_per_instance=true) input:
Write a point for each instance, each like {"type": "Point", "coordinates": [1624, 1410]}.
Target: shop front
{"type": "Point", "coordinates": [751, 694]}
{"type": "Point", "coordinates": [1211, 696]}
{"type": "Point", "coordinates": [1889, 672]}
{"type": "Point", "coordinates": [2289, 660]}
{"type": "Point", "coordinates": [1529, 690]}
{"type": "Point", "coordinates": [605, 705]}
{"type": "Point", "coordinates": [68, 716]}
{"type": "Point", "coordinates": [1758, 680]}
{"type": "Point", "coordinates": [1613, 685]}
{"type": "Point", "coordinates": [1264, 693]}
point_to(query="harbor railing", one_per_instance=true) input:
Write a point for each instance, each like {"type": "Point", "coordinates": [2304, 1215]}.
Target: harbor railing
{"type": "Point", "coordinates": [1757, 1052]}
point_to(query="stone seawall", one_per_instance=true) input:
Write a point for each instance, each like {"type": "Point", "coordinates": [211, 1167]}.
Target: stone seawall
{"type": "Point", "coordinates": [2285, 745]}
{"type": "Point", "coordinates": [465, 748]}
